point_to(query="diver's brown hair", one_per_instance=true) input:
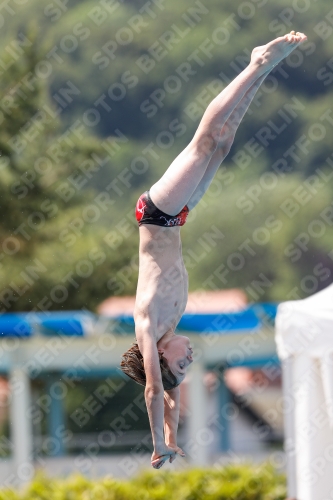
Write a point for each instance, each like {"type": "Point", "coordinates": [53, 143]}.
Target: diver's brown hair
{"type": "Point", "coordinates": [132, 365]}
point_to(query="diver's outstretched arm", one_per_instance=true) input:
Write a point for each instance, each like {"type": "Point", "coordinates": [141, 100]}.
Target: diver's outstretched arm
{"type": "Point", "coordinates": [154, 392]}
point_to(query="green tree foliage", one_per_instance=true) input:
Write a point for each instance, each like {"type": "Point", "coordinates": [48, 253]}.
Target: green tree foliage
{"type": "Point", "coordinates": [281, 252]}
{"type": "Point", "coordinates": [240, 482]}
{"type": "Point", "coordinates": [130, 84]}
{"type": "Point", "coordinates": [44, 209]}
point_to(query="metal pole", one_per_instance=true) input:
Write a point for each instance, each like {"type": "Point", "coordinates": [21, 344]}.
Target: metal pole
{"type": "Point", "coordinates": [224, 402]}
{"type": "Point", "coordinates": [200, 436]}
{"type": "Point", "coordinates": [56, 421]}
{"type": "Point", "coordinates": [21, 427]}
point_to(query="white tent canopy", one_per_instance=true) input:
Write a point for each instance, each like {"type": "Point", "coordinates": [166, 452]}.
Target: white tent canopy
{"type": "Point", "coordinates": [304, 337]}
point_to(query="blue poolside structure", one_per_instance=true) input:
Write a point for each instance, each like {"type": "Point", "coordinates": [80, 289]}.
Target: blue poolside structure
{"type": "Point", "coordinates": [88, 345]}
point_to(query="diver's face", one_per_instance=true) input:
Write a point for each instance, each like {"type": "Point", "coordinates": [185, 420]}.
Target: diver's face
{"type": "Point", "coordinates": [178, 352]}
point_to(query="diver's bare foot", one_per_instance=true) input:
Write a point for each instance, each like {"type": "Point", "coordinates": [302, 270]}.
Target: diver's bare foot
{"type": "Point", "coordinates": [268, 56]}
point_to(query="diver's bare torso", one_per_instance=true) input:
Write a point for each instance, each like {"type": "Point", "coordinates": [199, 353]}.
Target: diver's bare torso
{"type": "Point", "coordinates": [163, 282]}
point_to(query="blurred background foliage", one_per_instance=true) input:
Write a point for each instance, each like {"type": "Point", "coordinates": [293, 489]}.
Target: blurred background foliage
{"type": "Point", "coordinates": [88, 124]}
{"type": "Point", "coordinates": [239, 482]}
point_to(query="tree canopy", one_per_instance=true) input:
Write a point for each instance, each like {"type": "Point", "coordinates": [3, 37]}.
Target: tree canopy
{"type": "Point", "coordinates": [97, 100]}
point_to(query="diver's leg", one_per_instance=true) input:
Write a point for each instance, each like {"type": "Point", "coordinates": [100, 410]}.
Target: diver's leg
{"type": "Point", "coordinates": [225, 142]}
{"type": "Point", "coordinates": [181, 179]}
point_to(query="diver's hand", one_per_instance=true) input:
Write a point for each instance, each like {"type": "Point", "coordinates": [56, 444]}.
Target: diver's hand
{"type": "Point", "coordinates": [161, 455]}
{"type": "Point", "coordinates": [176, 448]}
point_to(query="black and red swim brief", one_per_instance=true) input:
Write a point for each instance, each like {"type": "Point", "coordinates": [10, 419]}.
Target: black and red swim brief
{"type": "Point", "coordinates": [146, 212]}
